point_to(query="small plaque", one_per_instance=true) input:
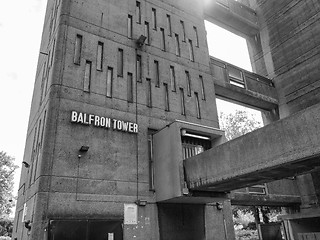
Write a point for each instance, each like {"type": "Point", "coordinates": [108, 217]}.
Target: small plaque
{"type": "Point", "coordinates": [130, 214]}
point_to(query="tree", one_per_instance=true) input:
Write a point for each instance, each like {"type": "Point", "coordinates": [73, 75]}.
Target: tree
{"type": "Point", "coordinates": [238, 123]}
{"type": "Point", "coordinates": [7, 168]}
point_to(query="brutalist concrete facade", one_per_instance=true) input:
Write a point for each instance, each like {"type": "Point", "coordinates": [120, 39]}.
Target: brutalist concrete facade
{"type": "Point", "coordinates": [97, 87]}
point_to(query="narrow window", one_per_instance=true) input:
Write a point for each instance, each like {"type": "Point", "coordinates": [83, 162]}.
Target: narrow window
{"type": "Point", "coordinates": [120, 63]}
{"type": "Point", "coordinates": [163, 40]}
{"type": "Point", "coordinates": [191, 55]}
{"type": "Point", "coordinates": [87, 77]}
{"type": "Point", "coordinates": [154, 19]}
{"type": "Point", "coordinates": [156, 73]}
{"type": "Point", "coordinates": [196, 35]}
{"type": "Point", "coordinates": [130, 88]}
{"type": "Point", "coordinates": [77, 50]}
{"type": "Point", "coordinates": [203, 93]}
{"type": "Point", "coordinates": [172, 79]}
{"type": "Point", "coordinates": [183, 31]}
{"type": "Point", "coordinates": [166, 97]}
{"type": "Point", "coordinates": [43, 125]}
{"type": "Point", "coordinates": [139, 68]}
{"type": "Point", "coordinates": [197, 105]}
{"type": "Point", "coordinates": [169, 25]}
{"type": "Point", "coordinates": [129, 26]}
{"type": "Point", "coordinates": [177, 44]}
{"type": "Point", "coordinates": [147, 32]}
{"type": "Point", "coordinates": [138, 12]}
{"type": "Point", "coordinates": [188, 83]}
{"type": "Point", "coordinates": [52, 54]}
{"type": "Point", "coordinates": [149, 93]}
{"type": "Point", "coordinates": [100, 56]}
{"type": "Point", "coordinates": [151, 163]}
{"type": "Point", "coordinates": [109, 81]}
{"type": "Point", "coordinates": [182, 104]}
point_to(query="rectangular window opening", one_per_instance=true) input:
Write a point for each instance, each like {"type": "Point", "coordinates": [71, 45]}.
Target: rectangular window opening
{"type": "Point", "coordinates": [147, 32]}
{"type": "Point", "coordinates": [149, 93]}
{"type": "Point", "coordinates": [236, 77]}
{"type": "Point", "coordinates": [120, 63]}
{"type": "Point", "coordinates": [169, 25]}
{"type": "Point", "coordinates": [188, 83]}
{"type": "Point", "coordinates": [203, 93]}
{"type": "Point", "coordinates": [166, 97]}
{"type": "Point", "coordinates": [154, 19]}
{"type": "Point", "coordinates": [183, 31]}
{"type": "Point", "coordinates": [109, 82]}
{"type": "Point", "coordinates": [138, 12]}
{"type": "Point", "coordinates": [196, 35]}
{"type": "Point", "coordinates": [156, 73]}
{"type": "Point", "coordinates": [172, 79]}
{"type": "Point", "coordinates": [77, 50]}
{"type": "Point", "coordinates": [139, 69]}
{"type": "Point", "coordinates": [100, 56]}
{"type": "Point", "coordinates": [130, 88]}
{"type": "Point", "coordinates": [197, 105]}
{"type": "Point", "coordinates": [87, 77]}
{"type": "Point", "coordinates": [191, 55]}
{"type": "Point", "coordinates": [129, 26]}
{"type": "Point", "coordinates": [182, 104]}
{"type": "Point", "coordinates": [177, 44]}
{"type": "Point", "coordinates": [163, 40]}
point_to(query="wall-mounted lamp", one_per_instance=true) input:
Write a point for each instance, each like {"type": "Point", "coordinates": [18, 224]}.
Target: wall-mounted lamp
{"type": "Point", "coordinates": [84, 149]}
{"type": "Point", "coordinates": [27, 224]}
{"type": "Point", "coordinates": [219, 205]}
{"type": "Point", "coordinates": [27, 165]}
{"type": "Point", "coordinates": [141, 41]}
{"type": "Point", "coordinates": [141, 203]}
{"type": "Point", "coordinates": [187, 134]}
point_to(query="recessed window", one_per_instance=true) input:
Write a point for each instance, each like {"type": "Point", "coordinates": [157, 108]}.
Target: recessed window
{"type": "Point", "coordinates": [188, 81]}
{"type": "Point", "coordinates": [191, 55]}
{"type": "Point", "coordinates": [138, 12]}
{"type": "Point", "coordinates": [147, 32]}
{"type": "Point", "coordinates": [197, 105]}
{"type": "Point", "coordinates": [163, 40]}
{"type": "Point", "coordinates": [130, 88]}
{"type": "Point", "coordinates": [87, 77]}
{"type": "Point", "coordinates": [166, 96]}
{"type": "Point", "coordinates": [129, 26]}
{"type": "Point", "coordinates": [77, 49]}
{"type": "Point", "coordinates": [100, 56]}
{"type": "Point", "coordinates": [109, 81]}
{"type": "Point", "coordinates": [149, 93]}
{"type": "Point", "coordinates": [154, 18]}
{"type": "Point", "coordinates": [177, 43]}
{"type": "Point", "coordinates": [202, 88]}
{"type": "Point", "coordinates": [183, 31]}
{"type": "Point", "coordinates": [139, 68]}
{"type": "Point", "coordinates": [156, 73]}
{"type": "Point", "coordinates": [172, 79]}
{"type": "Point", "coordinates": [236, 77]}
{"type": "Point", "coordinates": [120, 62]}
{"type": "Point", "coordinates": [169, 25]}
{"type": "Point", "coordinates": [196, 35]}
{"type": "Point", "coordinates": [182, 104]}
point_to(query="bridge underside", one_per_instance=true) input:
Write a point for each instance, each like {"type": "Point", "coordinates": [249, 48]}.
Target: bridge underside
{"type": "Point", "coordinates": [282, 149]}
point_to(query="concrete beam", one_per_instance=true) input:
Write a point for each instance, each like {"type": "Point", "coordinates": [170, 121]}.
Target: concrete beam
{"type": "Point", "coordinates": [284, 148]}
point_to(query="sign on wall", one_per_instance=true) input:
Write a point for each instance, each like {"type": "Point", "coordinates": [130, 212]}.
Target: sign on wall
{"type": "Point", "coordinates": [103, 122]}
{"type": "Point", "coordinates": [130, 213]}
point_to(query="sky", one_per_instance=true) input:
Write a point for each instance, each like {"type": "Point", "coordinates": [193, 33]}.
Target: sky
{"type": "Point", "coordinates": [21, 23]}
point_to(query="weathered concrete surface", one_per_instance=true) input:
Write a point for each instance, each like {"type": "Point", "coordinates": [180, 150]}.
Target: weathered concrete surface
{"type": "Point", "coordinates": [285, 148]}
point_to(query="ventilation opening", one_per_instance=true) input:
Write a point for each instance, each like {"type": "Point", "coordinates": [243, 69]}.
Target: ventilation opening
{"type": "Point", "coordinates": [227, 46]}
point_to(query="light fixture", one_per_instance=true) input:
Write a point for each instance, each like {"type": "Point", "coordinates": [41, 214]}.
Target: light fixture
{"type": "Point", "coordinates": [219, 205]}
{"type": "Point", "coordinates": [141, 203]}
{"type": "Point", "coordinates": [141, 41]}
{"type": "Point", "coordinates": [84, 149]}
{"type": "Point", "coordinates": [187, 134]}
{"type": "Point", "coordinates": [27, 165]}
{"type": "Point", "coordinates": [27, 224]}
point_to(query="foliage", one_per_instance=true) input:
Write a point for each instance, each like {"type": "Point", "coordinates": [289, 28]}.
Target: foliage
{"type": "Point", "coordinates": [7, 169]}
{"type": "Point", "coordinates": [6, 226]}
{"type": "Point", "coordinates": [238, 123]}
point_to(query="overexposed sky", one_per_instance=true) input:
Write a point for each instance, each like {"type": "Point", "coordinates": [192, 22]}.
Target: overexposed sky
{"type": "Point", "coordinates": [21, 23]}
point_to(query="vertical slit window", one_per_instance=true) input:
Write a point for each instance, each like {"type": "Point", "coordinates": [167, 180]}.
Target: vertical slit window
{"type": "Point", "coordinates": [129, 26]}
{"type": "Point", "coordinates": [172, 78]}
{"type": "Point", "coordinates": [130, 88]}
{"type": "Point", "coordinates": [196, 35]}
{"type": "Point", "coordinates": [120, 63]}
{"type": "Point", "coordinates": [197, 105]}
{"type": "Point", "coordinates": [188, 83]}
{"type": "Point", "coordinates": [177, 44]}
{"type": "Point", "coordinates": [183, 31]}
{"type": "Point", "coordinates": [191, 55]}
{"type": "Point", "coordinates": [203, 93]}
{"type": "Point", "coordinates": [149, 93]}
{"type": "Point", "coordinates": [52, 54]}
{"type": "Point", "coordinates": [138, 12]}
{"type": "Point", "coordinates": [154, 19]}
{"type": "Point", "coordinates": [109, 81]}
{"type": "Point", "coordinates": [43, 125]}
{"type": "Point", "coordinates": [156, 73]}
{"type": "Point", "coordinates": [182, 104]}
{"type": "Point", "coordinates": [163, 40]}
{"type": "Point", "coordinates": [87, 77]}
{"type": "Point", "coordinates": [166, 97]}
{"type": "Point", "coordinates": [100, 56]}
{"type": "Point", "coordinates": [147, 32]}
{"type": "Point", "coordinates": [77, 50]}
{"type": "Point", "coordinates": [169, 25]}
{"type": "Point", "coordinates": [139, 69]}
